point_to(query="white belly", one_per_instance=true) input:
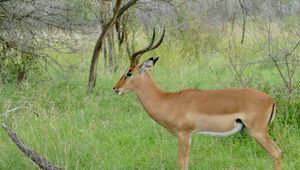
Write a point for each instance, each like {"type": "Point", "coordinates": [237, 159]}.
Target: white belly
{"type": "Point", "coordinates": [237, 128]}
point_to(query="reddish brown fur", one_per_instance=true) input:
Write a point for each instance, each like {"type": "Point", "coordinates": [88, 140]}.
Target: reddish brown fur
{"type": "Point", "coordinates": [191, 111]}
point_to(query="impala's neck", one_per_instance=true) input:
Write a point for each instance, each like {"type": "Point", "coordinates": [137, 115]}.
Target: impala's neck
{"type": "Point", "coordinates": [153, 99]}
{"type": "Point", "coordinates": [148, 93]}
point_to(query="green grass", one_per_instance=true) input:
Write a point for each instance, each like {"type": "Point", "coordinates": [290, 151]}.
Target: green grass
{"type": "Point", "coordinates": [106, 131]}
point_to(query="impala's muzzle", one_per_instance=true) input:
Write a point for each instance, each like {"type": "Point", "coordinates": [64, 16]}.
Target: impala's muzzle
{"type": "Point", "coordinates": [117, 91]}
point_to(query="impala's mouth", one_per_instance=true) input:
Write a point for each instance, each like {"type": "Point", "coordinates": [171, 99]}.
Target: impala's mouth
{"type": "Point", "coordinates": [117, 91]}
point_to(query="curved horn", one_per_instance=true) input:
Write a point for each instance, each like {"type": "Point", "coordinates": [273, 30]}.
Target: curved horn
{"type": "Point", "coordinates": [159, 41]}
{"type": "Point", "coordinates": [135, 57]}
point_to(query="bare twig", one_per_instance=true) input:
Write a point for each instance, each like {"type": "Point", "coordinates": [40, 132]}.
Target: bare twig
{"type": "Point", "coordinates": [11, 110]}
{"type": "Point", "coordinates": [293, 49]}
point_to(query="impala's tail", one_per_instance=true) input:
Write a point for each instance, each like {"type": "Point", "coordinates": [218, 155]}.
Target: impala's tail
{"type": "Point", "coordinates": [273, 113]}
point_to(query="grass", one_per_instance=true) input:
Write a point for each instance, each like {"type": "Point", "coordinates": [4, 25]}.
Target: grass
{"type": "Point", "coordinates": [106, 131]}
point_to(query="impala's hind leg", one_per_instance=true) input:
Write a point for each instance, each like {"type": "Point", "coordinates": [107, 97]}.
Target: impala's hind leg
{"type": "Point", "coordinates": [266, 142]}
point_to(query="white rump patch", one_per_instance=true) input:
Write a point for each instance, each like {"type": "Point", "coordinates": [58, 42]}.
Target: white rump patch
{"type": "Point", "coordinates": [237, 128]}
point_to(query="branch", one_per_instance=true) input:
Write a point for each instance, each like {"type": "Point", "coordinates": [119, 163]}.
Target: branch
{"type": "Point", "coordinates": [293, 49]}
{"type": "Point", "coordinates": [108, 26]}
{"type": "Point", "coordinates": [112, 21]}
{"type": "Point", "coordinates": [273, 57]}
{"type": "Point", "coordinates": [30, 153]}
{"type": "Point", "coordinates": [118, 11]}
{"type": "Point", "coordinates": [121, 11]}
{"type": "Point", "coordinates": [244, 20]}
{"type": "Point", "coordinates": [125, 7]}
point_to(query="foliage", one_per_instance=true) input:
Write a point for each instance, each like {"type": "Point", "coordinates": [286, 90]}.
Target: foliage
{"type": "Point", "coordinates": [11, 67]}
{"type": "Point", "coordinates": [202, 49]}
{"type": "Point", "coordinates": [106, 131]}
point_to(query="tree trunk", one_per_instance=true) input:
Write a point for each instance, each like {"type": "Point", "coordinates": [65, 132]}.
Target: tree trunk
{"type": "Point", "coordinates": [105, 58]}
{"type": "Point", "coordinates": [21, 77]}
{"type": "Point", "coordinates": [117, 14]}
{"type": "Point", "coordinates": [98, 46]}
{"type": "Point", "coordinates": [111, 52]}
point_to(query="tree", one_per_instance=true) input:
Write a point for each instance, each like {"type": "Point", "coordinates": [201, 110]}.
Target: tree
{"type": "Point", "coordinates": [29, 27]}
{"type": "Point", "coordinates": [118, 12]}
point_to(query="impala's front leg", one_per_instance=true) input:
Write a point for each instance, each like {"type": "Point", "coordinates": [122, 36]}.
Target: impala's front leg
{"type": "Point", "coordinates": [183, 149]}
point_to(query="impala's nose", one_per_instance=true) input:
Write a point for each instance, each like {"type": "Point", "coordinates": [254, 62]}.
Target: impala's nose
{"type": "Point", "coordinates": [116, 90]}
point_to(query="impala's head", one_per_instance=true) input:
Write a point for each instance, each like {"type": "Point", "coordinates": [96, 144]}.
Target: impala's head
{"type": "Point", "coordinates": [133, 75]}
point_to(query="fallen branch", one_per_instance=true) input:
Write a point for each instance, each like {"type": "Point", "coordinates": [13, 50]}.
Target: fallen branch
{"type": "Point", "coordinates": [32, 154]}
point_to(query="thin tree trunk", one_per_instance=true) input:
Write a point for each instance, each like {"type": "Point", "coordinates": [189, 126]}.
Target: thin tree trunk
{"type": "Point", "coordinates": [105, 54]}
{"type": "Point", "coordinates": [111, 51]}
{"type": "Point", "coordinates": [21, 77]}
{"type": "Point", "coordinates": [104, 16]}
{"type": "Point", "coordinates": [98, 45]}
{"type": "Point", "coordinates": [93, 67]}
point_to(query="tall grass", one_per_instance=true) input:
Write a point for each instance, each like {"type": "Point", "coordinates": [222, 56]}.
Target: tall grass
{"type": "Point", "coordinates": [106, 131]}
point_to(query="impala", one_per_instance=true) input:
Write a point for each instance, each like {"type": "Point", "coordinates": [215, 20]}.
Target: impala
{"type": "Point", "coordinates": [213, 112]}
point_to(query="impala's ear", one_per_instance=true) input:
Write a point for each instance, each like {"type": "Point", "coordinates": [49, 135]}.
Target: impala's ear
{"type": "Point", "coordinates": [155, 59]}
{"type": "Point", "coordinates": [148, 64]}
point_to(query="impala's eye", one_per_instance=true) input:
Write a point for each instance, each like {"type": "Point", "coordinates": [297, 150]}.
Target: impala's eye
{"type": "Point", "coordinates": [129, 74]}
